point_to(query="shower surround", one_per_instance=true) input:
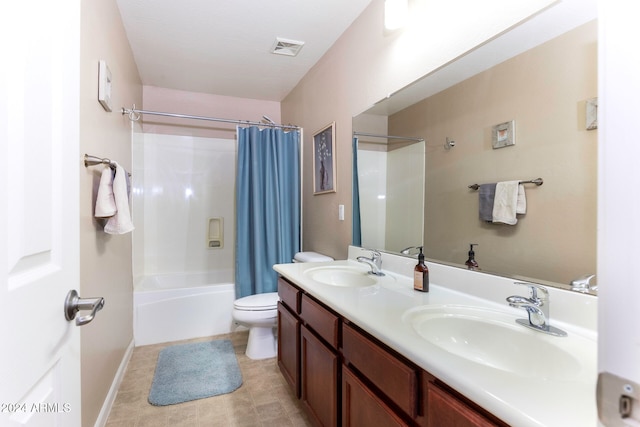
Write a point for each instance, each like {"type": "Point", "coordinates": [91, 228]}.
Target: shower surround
{"type": "Point", "coordinates": [179, 183]}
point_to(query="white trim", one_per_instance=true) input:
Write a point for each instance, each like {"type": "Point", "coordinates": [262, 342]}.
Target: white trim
{"type": "Point", "coordinates": [101, 421]}
{"type": "Point", "coordinates": [301, 152]}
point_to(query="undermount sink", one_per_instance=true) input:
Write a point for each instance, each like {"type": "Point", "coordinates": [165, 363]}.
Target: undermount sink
{"type": "Point", "coordinates": [492, 338]}
{"type": "Point", "coordinates": [341, 275]}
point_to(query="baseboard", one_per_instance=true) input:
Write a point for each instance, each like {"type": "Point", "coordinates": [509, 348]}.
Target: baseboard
{"type": "Point", "coordinates": [115, 385]}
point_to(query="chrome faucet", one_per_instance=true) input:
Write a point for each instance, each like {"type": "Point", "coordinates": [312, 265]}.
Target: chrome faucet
{"type": "Point", "coordinates": [582, 284]}
{"type": "Point", "coordinates": [375, 262]}
{"type": "Point", "coordinates": [407, 250]}
{"type": "Point", "coordinates": [537, 306]}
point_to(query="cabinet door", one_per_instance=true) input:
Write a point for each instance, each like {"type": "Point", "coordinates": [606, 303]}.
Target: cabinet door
{"type": "Point", "coordinates": [319, 379]}
{"type": "Point", "coordinates": [361, 407]}
{"type": "Point", "coordinates": [289, 347]}
{"type": "Point", "coordinates": [445, 410]}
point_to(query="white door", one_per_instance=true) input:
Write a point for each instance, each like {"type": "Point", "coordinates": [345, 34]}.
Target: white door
{"type": "Point", "coordinates": [39, 245]}
{"type": "Point", "coordinates": [618, 214]}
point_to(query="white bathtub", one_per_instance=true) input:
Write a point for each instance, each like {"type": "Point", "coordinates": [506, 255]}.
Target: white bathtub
{"type": "Point", "coordinates": [172, 307]}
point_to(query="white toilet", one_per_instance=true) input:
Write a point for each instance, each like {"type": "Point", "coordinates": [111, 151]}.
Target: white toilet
{"type": "Point", "coordinates": [260, 314]}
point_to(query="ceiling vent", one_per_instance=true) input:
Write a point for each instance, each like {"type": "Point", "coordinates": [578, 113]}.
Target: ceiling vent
{"type": "Point", "coordinates": [286, 47]}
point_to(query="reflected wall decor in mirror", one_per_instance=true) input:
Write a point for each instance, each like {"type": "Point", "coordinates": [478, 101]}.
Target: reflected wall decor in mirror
{"type": "Point", "coordinates": [544, 88]}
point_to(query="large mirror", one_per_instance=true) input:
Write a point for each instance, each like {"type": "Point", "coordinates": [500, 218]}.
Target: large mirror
{"type": "Point", "coordinates": [542, 78]}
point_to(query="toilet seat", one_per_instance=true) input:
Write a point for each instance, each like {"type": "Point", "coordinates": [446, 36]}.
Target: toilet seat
{"type": "Point", "coordinates": [258, 302]}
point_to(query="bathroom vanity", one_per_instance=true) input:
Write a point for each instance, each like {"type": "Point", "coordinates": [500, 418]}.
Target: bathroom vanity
{"type": "Point", "coordinates": [362, 350]}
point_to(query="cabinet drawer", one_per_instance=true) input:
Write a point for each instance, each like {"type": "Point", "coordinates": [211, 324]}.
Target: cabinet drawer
{"type": "Point", "coordinates": [445, 409]}
{"type": "Point", "coordinates": [289, 295]}
{"type": "Point", "coordinates": [321, 320]}
{"type": "Point", "coordinates": [396, 379]}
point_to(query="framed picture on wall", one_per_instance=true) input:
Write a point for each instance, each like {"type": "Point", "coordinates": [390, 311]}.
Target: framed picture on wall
{"type": "Point", "coordinates": [324, 161]}
{"type": "Point", "coordinates": [504, 134]}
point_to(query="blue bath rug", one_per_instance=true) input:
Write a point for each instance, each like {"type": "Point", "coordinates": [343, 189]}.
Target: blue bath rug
{"type": "Point", "coordinates": [194, 371]}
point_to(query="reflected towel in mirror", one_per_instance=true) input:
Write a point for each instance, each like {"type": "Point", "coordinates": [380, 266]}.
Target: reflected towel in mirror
{"type": "Point", "coordinates": [505, 202]}
{"type": "Point", "coordinates": [485, 198]}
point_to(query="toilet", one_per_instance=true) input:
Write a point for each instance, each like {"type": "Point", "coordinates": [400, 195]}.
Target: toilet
{"type": "Point", "coordinates": [260, 314]}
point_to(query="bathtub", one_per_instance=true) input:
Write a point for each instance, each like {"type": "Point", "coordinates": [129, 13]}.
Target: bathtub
{"type": "Point", "coordinates": [178, 306]}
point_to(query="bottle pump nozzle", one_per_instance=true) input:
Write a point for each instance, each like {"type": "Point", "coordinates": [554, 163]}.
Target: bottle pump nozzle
{"type": "Point", "coordinates": [471, 263]}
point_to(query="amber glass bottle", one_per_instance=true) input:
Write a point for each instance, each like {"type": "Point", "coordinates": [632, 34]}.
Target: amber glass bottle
{"type": "Point", "coordinates": [471, 263]}
{"type": "Point", "coordinates": [421, 274]}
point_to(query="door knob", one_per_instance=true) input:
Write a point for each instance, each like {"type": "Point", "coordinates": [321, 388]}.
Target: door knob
{"type": "Point", "coordinates": [73, 304]}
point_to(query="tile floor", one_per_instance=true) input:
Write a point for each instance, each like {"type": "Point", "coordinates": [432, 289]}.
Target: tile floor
{"type": "Point", "coordinates": [264, 399]}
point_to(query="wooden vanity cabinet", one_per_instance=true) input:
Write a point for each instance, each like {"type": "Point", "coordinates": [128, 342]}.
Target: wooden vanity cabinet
{"type": "Point", "coordinates": [307, 353]}
{"type": "Point", "coordinates": [397, 392]}
{"type": "Point", "coordinates": [346, 377]}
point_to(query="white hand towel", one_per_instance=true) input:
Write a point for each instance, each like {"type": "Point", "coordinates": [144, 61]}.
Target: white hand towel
{"type": "Point", "coordinates": [105, 204]}
{"type": "Point", "coordinates": [505, 202]}
{"type": "Point", "coordinates": [121, 222]}
{"type": "Point", "coordinates": [521, 207]}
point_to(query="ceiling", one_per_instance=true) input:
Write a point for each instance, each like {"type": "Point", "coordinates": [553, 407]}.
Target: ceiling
{"type": "Point", "coordinates": [223, 47]}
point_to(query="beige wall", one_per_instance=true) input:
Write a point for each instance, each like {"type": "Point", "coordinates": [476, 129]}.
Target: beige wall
{"type": "Point", "coordinates": [544, 90]}
{"type": "Point", "coordinates": [105, 260]}
{"type": "Point", "coordinates": [201, 104]}
{"type": "Point", "coordinates": [362, 67]}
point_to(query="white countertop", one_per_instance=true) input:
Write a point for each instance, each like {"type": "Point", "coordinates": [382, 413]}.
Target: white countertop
{"type": "Point", "coordinates": [522, 399]}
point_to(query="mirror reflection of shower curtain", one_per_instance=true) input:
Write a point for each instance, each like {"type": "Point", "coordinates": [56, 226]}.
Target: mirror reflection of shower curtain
{"type": "Point", "coordinates": [355, 212]}
{"type": "Point", "coordinates": [267, 206]}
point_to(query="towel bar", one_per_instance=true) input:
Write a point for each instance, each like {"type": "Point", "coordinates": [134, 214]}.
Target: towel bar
{"type": "Point", "coordinates": [94, 160]}
{"type": "Point", "coordinates": [537, 181]}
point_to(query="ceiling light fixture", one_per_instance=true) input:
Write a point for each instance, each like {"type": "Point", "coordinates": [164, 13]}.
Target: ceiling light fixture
{"type": "Point", "coordinates": [286, 47]}
{"type": "Point", "coordinates": [396, 13]}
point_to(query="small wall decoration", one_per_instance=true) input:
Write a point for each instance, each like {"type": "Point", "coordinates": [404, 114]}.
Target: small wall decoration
{"type": "Point", "coordinates": [504, 134]}
{"type": "Point", "coordinates": [324, 163]}
{"type": "Point", "coordinates": [104, 85]}
{"type": "Point", "coordinates": [592, 114]}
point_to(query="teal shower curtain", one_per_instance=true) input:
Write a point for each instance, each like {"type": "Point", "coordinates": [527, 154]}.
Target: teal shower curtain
{"type": "Point", "coordinates": [355, 192]}
{"type": "Point", "coordinates": [267, 206]}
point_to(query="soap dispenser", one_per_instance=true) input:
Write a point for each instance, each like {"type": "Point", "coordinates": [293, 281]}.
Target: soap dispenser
{"type": "Point", "coordinates": [421, 274]}
{"type": "Point", "coordinates": [471, 263]}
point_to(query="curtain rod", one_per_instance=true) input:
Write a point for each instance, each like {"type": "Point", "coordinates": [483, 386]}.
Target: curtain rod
{"type": "Point", "coordinates": [405, 138]}
{"type": "Point", "coordinates": [134, 116]}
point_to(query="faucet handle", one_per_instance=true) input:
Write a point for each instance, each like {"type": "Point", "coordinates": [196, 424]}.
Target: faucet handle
{"type": "Point", "coordinates": [375, 254]}
{"type": "Point", "coordinates": [535, 290]}
{"type": "Point", "coordinates": [582, 284]}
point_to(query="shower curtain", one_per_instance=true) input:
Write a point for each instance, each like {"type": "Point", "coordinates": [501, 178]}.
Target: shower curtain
{"type": "Point", "coordinates": [355, 191]}
{"type": "Point", "coordinates": [267, 206]}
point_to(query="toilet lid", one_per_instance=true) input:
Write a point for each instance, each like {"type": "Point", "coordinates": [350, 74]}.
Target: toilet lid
{"type": "Point", "coordinates": [265, 301]}
{"type": "Point", "coordinates": [311, 257]}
